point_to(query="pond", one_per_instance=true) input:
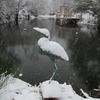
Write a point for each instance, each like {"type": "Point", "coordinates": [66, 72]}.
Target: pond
{"type": "Point", "coordinates": [19, 53]}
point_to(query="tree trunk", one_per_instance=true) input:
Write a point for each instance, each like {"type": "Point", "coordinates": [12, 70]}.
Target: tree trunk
{"type": "Point", "coordinates": [28, 17]}
{"type": "Point", "coordinates": [16, 18]}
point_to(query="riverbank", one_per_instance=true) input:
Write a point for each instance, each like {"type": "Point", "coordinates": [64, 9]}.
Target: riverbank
{"type": "Point", "coordinates": [16, 89]}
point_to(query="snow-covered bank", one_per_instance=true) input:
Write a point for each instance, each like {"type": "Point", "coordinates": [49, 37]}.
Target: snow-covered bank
{"type": "Point", "coordinates": [16, 89]}
{"type": "Point", "coordinates": [46, 16]}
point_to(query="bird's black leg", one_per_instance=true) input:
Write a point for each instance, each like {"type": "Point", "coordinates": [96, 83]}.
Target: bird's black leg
{"type": "Point", "coordinates": [55, 65]}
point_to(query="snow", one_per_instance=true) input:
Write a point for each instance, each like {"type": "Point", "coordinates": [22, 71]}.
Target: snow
{"type": "Point", "coordinates": [76, 15]}
{"type": "Point", "coordinates": [53, 88]}
{"type": "Point", "coordinates": [16, 89]}
{"type": "Point", "coordinates": [52, 48]}
{"type": "Point", "coordinates": [43, 31]}
{"type": "Point", "coordinates": [32, 17]}
{"type": "Point", "coordinates": [60, 91]}
{"type": "Point", "coordinates": [96, 89]}
{"type": "Point", "coordinates": [88, 18]}
{"type": "Point", "coordinates": [21, 74]}
{"type": "Point", "coordinates": [46, 16]}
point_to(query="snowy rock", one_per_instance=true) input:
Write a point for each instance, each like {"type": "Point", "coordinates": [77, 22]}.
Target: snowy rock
{"type": "Point", "coordinates": [51, 89]}
{"type": "Point", "coordinates": [69, 94]}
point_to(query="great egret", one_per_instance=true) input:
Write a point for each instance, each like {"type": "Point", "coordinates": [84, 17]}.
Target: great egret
{"type": "Point", "coordinates": [51, 48]}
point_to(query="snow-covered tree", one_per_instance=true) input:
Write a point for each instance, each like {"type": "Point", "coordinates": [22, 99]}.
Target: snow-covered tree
{"type": "Point", "coordinates": [92, 5]}
{"type": "Point", "coordinates": [3, 12]}
{"type": "Point", "coordinates": [9, 9]}
{"type": "Point", "coordinates": [83, 5]}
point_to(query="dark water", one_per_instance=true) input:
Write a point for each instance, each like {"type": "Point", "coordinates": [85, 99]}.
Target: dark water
{"type": "Point", "coordinates": [20, 54]}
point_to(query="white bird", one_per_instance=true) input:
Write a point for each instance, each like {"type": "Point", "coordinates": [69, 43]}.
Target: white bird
{"type": "Point", "coordinates": [51, 48]}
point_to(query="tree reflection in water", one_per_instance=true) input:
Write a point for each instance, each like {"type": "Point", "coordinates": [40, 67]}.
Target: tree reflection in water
{"type": "Point", "coordinates": [86, 56]}
{"type": "Point", "coordinates": [8, 62]}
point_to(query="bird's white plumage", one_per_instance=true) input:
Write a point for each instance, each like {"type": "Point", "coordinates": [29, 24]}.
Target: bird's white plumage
{"type": "Point", "coordinates": [43, 31]}
{"type": "Point", "coordinates": [52, 48]}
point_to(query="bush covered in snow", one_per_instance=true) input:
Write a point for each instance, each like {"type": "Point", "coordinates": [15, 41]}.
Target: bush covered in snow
{"type": "Point", "coordinates": [89, 18]}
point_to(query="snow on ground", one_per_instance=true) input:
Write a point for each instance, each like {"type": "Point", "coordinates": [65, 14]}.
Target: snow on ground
{"type": "Point", "coordinates": [16, 89]}
{"type": "Point", "coordinates": [20, 74]}
{"type": "Point", "coordinates": [53, 88]}
{"type": "Point", "coordinates": [46, 16]}
{"type": "Point", "coordinates": [62, 91]}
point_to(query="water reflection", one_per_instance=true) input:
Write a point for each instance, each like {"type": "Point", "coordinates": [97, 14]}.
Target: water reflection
{"type": "Point", "coordinates": [8, 61]}
{"type": "Point", "coordinates": [86, 58]}
{"type": "Point", "coordinates": [88, 30]}
{"type": "Point", "coordinates": [82, 45]}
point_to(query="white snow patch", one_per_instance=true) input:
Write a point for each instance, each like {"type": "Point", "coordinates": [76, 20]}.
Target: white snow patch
{"type": "Point", "coordinates": [61, 91]}
{"type": "Point", "coordinates": [46, 16]}
{"type": "Point", "coordinates": [21, 74]}
{"type": "Point", "coordinates": [88, 18]}
{"type": "Point", "coordinates": [51, 89]}
{"type": "Point", "coordinates": [16, 89]}
{"type": "Point", "coordinates": [43, 31]}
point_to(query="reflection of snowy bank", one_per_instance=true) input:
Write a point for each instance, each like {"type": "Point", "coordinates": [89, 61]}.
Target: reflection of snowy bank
{"type": "Point", "coordinates": [16, 89]}
{"type": "Point", "coordinates": [46, 16]}
{"type": "Point", "coordinates": [87, 18]}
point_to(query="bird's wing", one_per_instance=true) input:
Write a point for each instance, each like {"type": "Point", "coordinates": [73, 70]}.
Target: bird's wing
{"type": "Point", "coordinates": [55, 49]}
